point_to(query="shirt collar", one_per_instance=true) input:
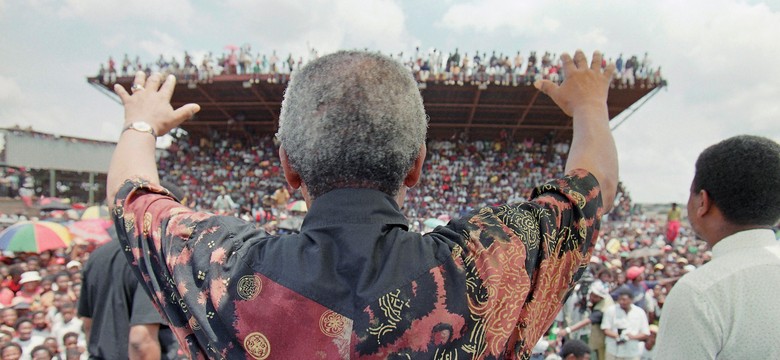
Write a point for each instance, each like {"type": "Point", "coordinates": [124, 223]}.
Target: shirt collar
{"type": "Point", "coordinates": [754, 238]}
{"type": "Point", "coordinates": [354, 206]}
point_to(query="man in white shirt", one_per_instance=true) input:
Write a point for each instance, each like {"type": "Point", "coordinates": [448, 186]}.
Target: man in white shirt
{"type": "Point", "coordinates": [727, 309]}
{"type": "Point", "coordinates": [625, 327]}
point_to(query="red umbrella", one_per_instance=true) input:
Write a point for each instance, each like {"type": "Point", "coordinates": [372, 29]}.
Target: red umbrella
{"type": "Point", "coordinates": [93, 230]}
{"type": "Point", "coordinates": [232, 47]}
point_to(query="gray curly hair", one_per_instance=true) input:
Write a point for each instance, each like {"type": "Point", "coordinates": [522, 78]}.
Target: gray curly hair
{"type": "Point", "coordinates": [352, 119]}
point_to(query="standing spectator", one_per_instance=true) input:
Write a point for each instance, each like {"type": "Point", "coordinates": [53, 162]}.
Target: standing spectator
{"type": "Point", "coordinates": [62, 280]}
{"type": "Point", "coordinates": [575, 350]}
{"type": "Point", "coordinates": [673, 224]}
{"type": "Point", "coordinates": [54, 347]}
{"type": "Point", "coordinates": [40, 326]}
{"type": "Point", "coordinates": [11, 351]}
{"type": "Point", "coordinates": [281, 196]}
{"type": "Point", "coordinates": [624, 325]}
{"type": "Point", "coordinates": [8, 316]}
{"type": "Point", "coordinates": [30, 291]}
{"type": "Point", "coordinates": [12, 280]}
{"type": "Point", "coordinates": [727, 309]}
{"type": "Point", "coordinates": [25, 338]}
{"type": "Point", "coordinates": [600, 300]}
{"type": "Point", "coordinates": [119, 318]}
{"type": "Point", "coordinates": [224, 204]}
{"type": "Point", "coordinates": [69, 323]}
{"type": "Point", "coordinates": [356, 281]}
{"type": "Point", "coordinates": [71, 349]}
{"type": "Point", "coordinates": [41, 352]}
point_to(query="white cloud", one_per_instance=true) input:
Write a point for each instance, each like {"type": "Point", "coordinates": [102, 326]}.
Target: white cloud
{"type": "Point", "coordinates": [325, 25]}
{"type": "Point", "coordinates": [9, 91]}
{"type": "Point", "coordinates": [161, 43]}
{"type": "Point", "coordinates": [176, 12]}
{"type": "Point", "coordinates": [528, 18]}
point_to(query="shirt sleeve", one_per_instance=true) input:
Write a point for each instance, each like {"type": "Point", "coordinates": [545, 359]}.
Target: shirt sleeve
{"type": "Point", "coordinates": [528, 256]}
{"type": "Point", "coordinates": [608, 319]}
{"type": "Point", "coordinates": [687, 330]}
{"type": "Point", "coordinates": [178, 254]}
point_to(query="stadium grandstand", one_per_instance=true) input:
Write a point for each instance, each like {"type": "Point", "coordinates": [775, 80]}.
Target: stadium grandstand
{"type": "Point", "coordinates": [483, 116]}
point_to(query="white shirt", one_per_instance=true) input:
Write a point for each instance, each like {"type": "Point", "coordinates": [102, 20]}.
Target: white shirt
{"type": "Point", "coordinates": [633, 323]}
{"type": "Point", "coordinates": [726, 309]}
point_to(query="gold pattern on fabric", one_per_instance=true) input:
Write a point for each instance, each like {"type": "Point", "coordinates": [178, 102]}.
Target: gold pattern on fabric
{"type": "Point", "coordinates": [524, 224]}
{"type": "Point", "coordinates": [257, 346]}
{"type": "Point", "coordinates": [147, 227]}
{"type": "Point", "coordinates": [249, 286]}
{"type": "Point", "coordinates": [194, 324]}
{"type": "Point", "coordinates": [581, 201]}
{"type": "Point", "coordinates": [499, 268]}
{"type": "Point", "coordinates": [129, 222]}
{"type": "Point", "coordinates": [332, 323]}
{"type": "Point", "coordinates": [391, 306]}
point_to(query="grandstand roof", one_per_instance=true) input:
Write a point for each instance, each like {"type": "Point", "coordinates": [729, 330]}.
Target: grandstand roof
{"type": "Point", "coordinates": [233, 103]}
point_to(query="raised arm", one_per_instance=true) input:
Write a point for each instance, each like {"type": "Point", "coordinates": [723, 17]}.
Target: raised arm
{"type": "Point", "coordinates": [583, 95]}
{"type": "Point", "coordinates": [149, 103]}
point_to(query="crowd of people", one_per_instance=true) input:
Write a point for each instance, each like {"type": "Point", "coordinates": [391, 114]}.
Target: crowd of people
{"type": "Point", "coordinates": [39, 297]}
{"type": "Point", "coordinates": [222, 175]}
{"type": "Point", "coordinates": [433, 65]}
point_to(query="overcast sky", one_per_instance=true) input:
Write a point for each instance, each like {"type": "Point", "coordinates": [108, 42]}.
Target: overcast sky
{"type": "Point", "coordinates": [720, 58]}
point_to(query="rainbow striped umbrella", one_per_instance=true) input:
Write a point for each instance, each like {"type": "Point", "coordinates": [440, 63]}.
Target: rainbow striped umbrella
{"type": "Point", "coordinates": [34, 236]}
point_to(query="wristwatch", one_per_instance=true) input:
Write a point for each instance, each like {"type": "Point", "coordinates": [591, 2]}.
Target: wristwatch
{"type": "Point", "coordinates": [141, 126]}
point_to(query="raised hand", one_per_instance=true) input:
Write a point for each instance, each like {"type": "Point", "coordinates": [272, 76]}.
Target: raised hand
{"type": "Point", "coordinates": [151, 102]}
{"type": "Point", "coordinates": [583, 88]}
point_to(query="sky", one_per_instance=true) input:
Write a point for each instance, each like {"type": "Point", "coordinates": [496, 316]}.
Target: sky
{"type": "Point", "coordinates": [720, 58]}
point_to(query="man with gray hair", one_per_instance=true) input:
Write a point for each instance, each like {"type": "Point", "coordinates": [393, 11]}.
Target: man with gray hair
{"type": "Point", "coordinates": [355, 282]}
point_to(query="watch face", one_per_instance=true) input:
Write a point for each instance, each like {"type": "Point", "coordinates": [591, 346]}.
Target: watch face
{"type": "Point", "coordinates": [142, 126]}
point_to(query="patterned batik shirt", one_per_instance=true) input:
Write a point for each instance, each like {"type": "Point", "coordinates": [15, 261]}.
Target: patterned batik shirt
{"type": "Point", "coordinates": [355, 283]}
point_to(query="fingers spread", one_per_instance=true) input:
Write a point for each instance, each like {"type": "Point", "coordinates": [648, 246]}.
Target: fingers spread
{"type": "Point", "coordinates": [120, 90]}
{"type": "Point", "coordinates": [153, 83]}
{"type": "Point", "coordinates": [580, 60]}
{"type": "Point", "coordinates": [185, 112]}
{"type": "Point", "coordinates": [545, 86]}
{"type": "Point", "coordinates": [595, 63]}
{"type": "Point", "coordinates": [168, 86]}
{"type": "Point", "coordinates": [610, 70]}
{"type": "Point", "coordinates": [140, 78]}
{"type": "Point", "coordinates": [568, 64]}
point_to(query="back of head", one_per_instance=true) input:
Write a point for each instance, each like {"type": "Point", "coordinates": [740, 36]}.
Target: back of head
{"type": "Point", "coordinates": [576, 348]}
{"type": "Point", "coordinates": [352, 120]}
{"type": "Point", "coordinates": [742, 177]}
